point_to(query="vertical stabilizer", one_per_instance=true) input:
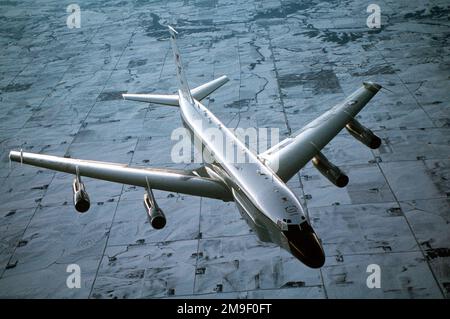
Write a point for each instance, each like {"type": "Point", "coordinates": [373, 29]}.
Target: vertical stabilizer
{"type": "Point", "coordinates": [183, 87]}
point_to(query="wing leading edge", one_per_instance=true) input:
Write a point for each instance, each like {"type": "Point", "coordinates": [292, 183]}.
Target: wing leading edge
{"type": "Point", "coordinates": [290, 155]}
{"type": "Point", "coordinates": [179, 181]}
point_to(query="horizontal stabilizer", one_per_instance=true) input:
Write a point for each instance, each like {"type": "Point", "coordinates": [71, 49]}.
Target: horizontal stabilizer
{"type": "Point", "coordinates": [199, 93]}
{"type": "Point", "coordinates": [202, 91]}
{"type": "Point", "coordinates": [153, 98]}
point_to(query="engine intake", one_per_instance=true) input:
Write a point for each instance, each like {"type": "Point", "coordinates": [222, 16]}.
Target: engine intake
{"type": "Point", "coordinates": [329, 170]}
{"type": "Point", "coordinates": [363, 134]}
{"type": "Point", "coordinates": [155, 215]}
{"type": "Point", "coordinates": [80, 196]}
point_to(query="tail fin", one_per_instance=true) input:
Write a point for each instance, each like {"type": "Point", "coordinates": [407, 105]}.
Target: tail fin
{"type": "Point", "coordinates": [197, 93]}
{"type": "Point", "coordinates": [182, 82]}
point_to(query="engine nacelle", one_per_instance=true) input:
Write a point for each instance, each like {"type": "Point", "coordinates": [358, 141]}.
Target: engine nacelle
{"type": "Point", "coordinates": [155, 215]}
{"type": "Point", "coordinates": [80, 196]}
{"type": "Point", "coordinates": [329, 170]}
{"type": "Point", "coordinates": [363, 134]}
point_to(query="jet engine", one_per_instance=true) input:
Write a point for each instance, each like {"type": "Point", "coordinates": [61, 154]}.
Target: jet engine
{"type": "Point", "coordinates": [155, 215]}
{"type": "Point", "coordinates": [363, 134]}
{"type": "Point", "coordinates": [329, 170]}
{"type": "Point", "coordinates": [80, 196]}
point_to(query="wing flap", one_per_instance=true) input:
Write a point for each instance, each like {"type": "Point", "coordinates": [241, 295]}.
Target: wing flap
{"type": "Point", "coordinates": [171, 180]}
{"type": "Point", "coordinates": [202, 91]}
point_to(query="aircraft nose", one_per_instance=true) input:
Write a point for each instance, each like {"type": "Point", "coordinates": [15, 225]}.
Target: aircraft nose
{"type": "Point", "coordinates": [304, 244]}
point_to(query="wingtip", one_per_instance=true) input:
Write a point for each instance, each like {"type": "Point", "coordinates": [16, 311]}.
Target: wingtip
{"type": "Point", "coordinates": [223, 77]}
{"type": "Point", "coordinates": [14, 156]}
{"type": "Point", "coordinates": [372, 86]}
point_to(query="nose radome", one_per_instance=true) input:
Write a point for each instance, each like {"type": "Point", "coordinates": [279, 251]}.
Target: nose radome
{"type": "Point", "coordinates": [305, 245]}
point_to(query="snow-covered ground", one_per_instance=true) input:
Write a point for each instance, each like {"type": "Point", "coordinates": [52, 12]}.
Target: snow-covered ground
{"type": "Point", "coordinates": [60, 93]}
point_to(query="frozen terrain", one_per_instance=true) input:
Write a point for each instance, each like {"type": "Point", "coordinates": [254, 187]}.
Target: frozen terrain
{"type": "Point", "coordinates": [288, 62]}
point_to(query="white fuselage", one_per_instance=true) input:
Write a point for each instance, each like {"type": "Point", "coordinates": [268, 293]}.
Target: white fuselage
{"type": "Point", "coordinates": [264, 200]}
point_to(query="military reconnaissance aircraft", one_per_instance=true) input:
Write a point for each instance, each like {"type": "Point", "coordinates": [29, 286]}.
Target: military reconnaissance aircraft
{"type": "Point", "coordinates": [257, 186]}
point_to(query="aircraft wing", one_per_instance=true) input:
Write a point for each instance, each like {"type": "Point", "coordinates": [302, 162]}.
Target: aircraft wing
{"type": "Point", "coordinates": [180, 181]}
{"type": "Point", "coordinates": [290, 155]}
